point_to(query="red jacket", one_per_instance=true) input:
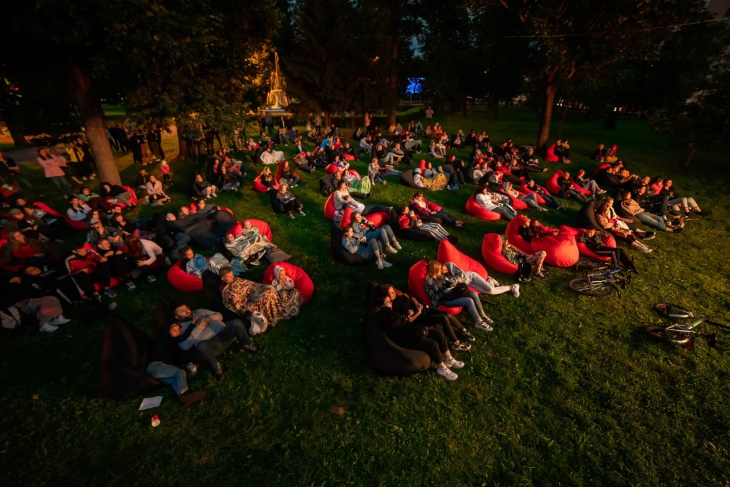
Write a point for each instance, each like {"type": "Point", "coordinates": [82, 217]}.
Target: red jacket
{"type": "Point", "coordinates": [426, 209]}
{"type": "Point", "coordinates": [76, 263]}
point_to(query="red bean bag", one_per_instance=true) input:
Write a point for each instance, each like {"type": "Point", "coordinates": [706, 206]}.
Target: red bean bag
{"type": "Point", "coordinates": [550, 154]}
{"type": "Point", "coordinates": [379, 218]}
{"type": "Point", "coordinates": [7, 192]}
{"type": "Point", "coordinates": [524, 189]}
{"type": "Point", "coordinates": [561, 249]}
{"type": "Point", "coordinates": [516, 203]}
{"type": "Point", "coordinates": [473, 208]}
{"type": "Point", "coordinates": [580, 189]}
{"type": "Point", "coordinates": [77, 225]}
{"type": "Point", "coordinates": [329, 207]}
{"type": "Point", "coordinates": [9, 268]}
{"type": "Point", "coordinates": [260, 188]}
{"type": "Point", "coordinates": [514, 237]}
{"type": "Point", "coordinates": [349, 157]}
{"type": "Point", "coordinates": [183, 281]}
{"type": "Point", "coordinates": [600, 168]}
{"type": "Point", "coordinates": [492, 254]}
{"type": "Point", "coordinates": [278, 172]}
{"type": "Point", "coordinates": [448, 253]}
{"type": "Point", "coordinates": [554, 188]}
{"type": "Point", "coordinates": [263, 227]}
{"type": "Point", "coordinates": [132, 200]}
{"type": "Point", "coordinates": [422, 165]}
{"type": "Point", "coordinates": [302, 282]}
{"type": "Point", "coordinates": [331, 169]}
{"type": "Point", "coordinates": [585, 251]}
{"type": "Point", "coordinates": [226, 209]}
{"type": "Point", "coordinates": [417, 286]}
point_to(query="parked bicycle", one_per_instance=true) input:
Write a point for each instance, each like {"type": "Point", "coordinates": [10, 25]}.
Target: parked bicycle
{"type": "Point", "coordinates": [682, 331]}
{"type": "Point", "coordinates": [602, 282]}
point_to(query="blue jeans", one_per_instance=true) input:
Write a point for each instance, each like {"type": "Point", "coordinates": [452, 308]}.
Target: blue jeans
{"type": "Point", "coordinates": [368, 250]}
{"type": "Point", "coordinates": [471, 303]}
{"type": "Point", "coordinates": [550, 200]}
{"type": "Point", "coordinates": [384, 234]}
{"type": "Point", "coordinates": [62, 183]}
{"type": "Point", "coordinates": [167, 374]}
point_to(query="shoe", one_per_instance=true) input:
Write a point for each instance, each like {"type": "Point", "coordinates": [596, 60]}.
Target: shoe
{"type": "Point", "coordinates": [110, 292]}
{"type": "Point", "coordinates": [390, 249]}
{"type": "Point", "coordinates": [645, 249]}
{"type": "Point", "coordinates": [446, 373]}
{"type": "Point", "coordinates": [168, 261]}
{"type": "Point", "coordinates": [397, 246]}
{"type": "Point", "coordinates": [454, 364]}
{"type": "Point", "coordinates": [540, 208]}
{"type": "Point", "coordinates": [487, 319]}
{"type": "Point", "coordinates": [112, 306]}
{"type": "Point", "coordinates": [678, 230]}
{"type": "Point", "coordinates": [541, 275]}
{"type": "Point", "coordinates": [302, 213]}
{"type": "Point", "coordinates": [48, 328]}
{"type": "Point", "coordinates": [380, 264]}
{"type": "Point", "coordinates": [191, 397]}
{"type": "Point", "coordinates": [219, 372]}
{"type": "Point", "coordinates": [151, 279]}
{"type": "Point", "coordinates": [453, 239]}
{"type": "Point", "coordinates": [386, 264]}
{"type": "Point", "coordinates": [648, 236]}
{"type": "Point", "coordinates": [483, 326]}
{"type": "Point", "coordinates": [215, 195]}
{"type": "Point", "coordinates": [59, 320]}
{"type": "Point", "coordinates": [253, 349]}
{"type": "Point", "coordinates": [560, 208]}
{"type": "Point", "coordinates": [97, 296]}
{"type": "Point", "coordinates": [461, 347]}
{"type": "Point", "coordinates": [291, 215]}
{"type": "Point", "coordinates": [516, 290]}
{"type": "Point", "coordinates": [468, 336]}
{"type": "Point", "coordinates": [131, 286]}
{"type": "Point", "coordinates": [208, 197]}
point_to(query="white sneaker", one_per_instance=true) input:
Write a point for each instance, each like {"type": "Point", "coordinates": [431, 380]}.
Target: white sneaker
{"type": "Point", "coordinates": [151, 279]}
{"type": "Point", "coordinates": [453, 363]}
{"type": "Point", "coordinates": [380, 264]}
{"type": "Point", "coordinates": [487, 319]}
{"type": "Point", "coordinates": [131, 286]}
{"type": "Point", "coordinates": [47, 327]}
{"type": "Point", "coordinates": [446, 373]}
{"type": "Point", "coordinates": [483, 326]}
{"type": "Point", "coordinates": [391, 249]}
{"type": "Point", "coordinates": [291, 215]}
{"type": "Point", "coordinates": [59, 320]}
{"type": "Point", "coordinates": [387, 264]}
{"type": "Point", "coordinates": [516, 290]}
{"type": "Point", "coordinates": [208, 197]}
{"type": "Point", "coordinates": [302, 213]}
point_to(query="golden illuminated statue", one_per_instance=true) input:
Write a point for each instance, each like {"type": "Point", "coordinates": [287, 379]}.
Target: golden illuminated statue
{"type": "Point", "coordinates": [276, 99]}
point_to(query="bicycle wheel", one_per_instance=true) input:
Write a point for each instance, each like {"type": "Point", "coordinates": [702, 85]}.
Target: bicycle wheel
{"type": "Point", "coordinates": [584, 264]}
{"type": "Point", "coordinates": [672, 311]}
{"type": "Point", "coordinates": [582, 285]}
{"type": "Point", "coordinates": [660, 334]}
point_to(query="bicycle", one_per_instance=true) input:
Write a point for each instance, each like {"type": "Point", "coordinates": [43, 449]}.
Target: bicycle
{"type": "Point", "coordinates": [599, 284]}
{"type": "Point", "coordinates": [681, 332]}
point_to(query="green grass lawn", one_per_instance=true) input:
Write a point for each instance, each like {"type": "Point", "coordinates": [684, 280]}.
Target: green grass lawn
{"type": "Point", "coordinates": [566, 390]}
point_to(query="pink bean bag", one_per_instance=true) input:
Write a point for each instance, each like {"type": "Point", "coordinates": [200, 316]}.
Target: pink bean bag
{"type": "Point", "coordinates": [263, 227]}
{"type": "Point", "coordinates": [183, 281]}
{"type": "Point", "coordinates": [329, 207]}
{"type": "Point", "coordinates": [524, 189]}
{"type": "Point", "coordinates": [260, 188]}
{"type": "Point", "coordinates": [550, 154]}
{"type": "Point", "coordinates": [302, 282]}
{"type": "Point", "coordinates": [448, 253]}
{"type": "Point", "coordinates": [492, 254]}
{"type": "Point", "coordinates": [417, 286]}
{"type": "Point", "coordinates": [561, 249]}
{"type": "Point", "coordinates": [77, 225]}
{"type": "Point", "coordinates": [514, 237]}
{"type": "Point", "coordinates": [600, 168]}
{"type": "Point", "coordinates": [473, 208]}
{"type": "Point", "coordinates": [585, 251]}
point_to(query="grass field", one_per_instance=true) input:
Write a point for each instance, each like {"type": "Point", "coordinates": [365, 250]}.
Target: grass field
{"type": "Point", "coordinates": [567, 390]}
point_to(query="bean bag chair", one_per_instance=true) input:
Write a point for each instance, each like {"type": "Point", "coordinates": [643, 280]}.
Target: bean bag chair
{"type": "Point", "coordinates": [600, 168]}
{"type": "Point", "coordinates": [132, 200]}
{"type": "Point", "coordinates": [328, 182]}
{"type": "Point", "coordinates": [554, 188]}
{"type": "Point", "coordinates": [417, 286]}
{"type": "Point", "coordinates": [227, 210]}
{"type": "Point", "coordinates": [278, 172]}
{"type": "Point", "coordinates": [406, 179]}
{"type": "Point", "coordinates": [260, 188]}
{"type": "Point", "coordinates": [183, 281]}
{"type": "Point", "coordinates": [448, 253]}
{"type": "Point", "coordinates": [550, 154]}
{"type": "Point", "coordinates": [473, 208]}
{"type": "Point", "coordinates": [411, 234]}
{"type": "Point", "coordinates": [587, 216]}
{"type": "Point", "coordinates": [561, 249]}
{"type": "Point", "coordinates": [514, 237]}
{"type": "Point", "coordinates": [5, 192]}
{"type": "Point", "coordinates": [585, 251]}
{"type": "Point", "coordinates": [263, 227]}
{"type": "Point", "coordinates": [340, 253]}
{"type": "Point", "coordinates": [11, 268]}
{"type": "Point", "coordinates": [378, 218]}
{"type": "Point", "coordinates": [331, 169]}
{"type": "Point", "coordinates": [492, 254]}
{"type": "Point", "coordinates": [124, 360]}
{"type": "Point", "coordinates": [386, 357]}
{"type": "Point", "coordinates": [302, 282]}
{"type": "Point", "coordinates": [524, 189]}
{"type": "Point", "coordinates": [76, 225]}
{"type": "Point", "coordinates": [516, 203]}
{"type": "Point", "coordinates": [329, 207]}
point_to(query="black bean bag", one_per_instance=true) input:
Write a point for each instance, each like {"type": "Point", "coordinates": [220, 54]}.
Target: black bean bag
{"type": "Point", "coordinates": [587, 216]}
{"type": "Point", "coordinates": [327, 185]}
{"type": "Point", "coordinates": [124, 360]}
{"type": "Point", "coordinates": [469, 174]}
{"type": "Point", "coordinates": [408, 233]}
{"type": "Point", "coordinates": [206, 229]}
{"type": "Point", "coordinates": [211, 288]}
{"type": "Point", "coordinates": [382, 354]}
{"type": "Point", "coordinates": [276, 204]}
{"type": "Point", "coordinates": [165, 310]}
{"type": "Point", "coordinates": [341, 254]}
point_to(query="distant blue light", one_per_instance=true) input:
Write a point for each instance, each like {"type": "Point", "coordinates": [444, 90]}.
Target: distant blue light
{"type": "Point", "coordinates": [414, 86]}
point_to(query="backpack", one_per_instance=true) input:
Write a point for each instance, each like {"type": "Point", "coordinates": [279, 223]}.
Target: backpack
{"type": "Point", "coordinates": [524, 272]}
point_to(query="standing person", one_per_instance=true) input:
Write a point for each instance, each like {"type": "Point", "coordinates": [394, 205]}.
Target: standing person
{"type": "Point", "coordinates": [165, 170]}
{"type": "Point", "coordinates": [429, 116]}
{"type": "Point", "coordinates": [318, 124]}
{"type": "Point", "coordinates": [134, 143]}
{"type": "Point", "coordinates": [53, 171]}
{"type": "Point", "coordinates": [10, 172]}
{"type": "Point", "coordinates": [63, 163]}
{"type": "Point", "coordinates": [210, 142]}
{"type": "Point", "coordinates": [89, 160]}
{"type": "Point", "coordinates": [154, 140]}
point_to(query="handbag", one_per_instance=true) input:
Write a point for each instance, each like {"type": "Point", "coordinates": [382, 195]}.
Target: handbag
{"type": "Point", "coordinates": [461, 290]}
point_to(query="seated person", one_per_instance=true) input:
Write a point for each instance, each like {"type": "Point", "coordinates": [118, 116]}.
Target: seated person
{"type": "Point", "coordinates": [284, 285]}
{"type": "Point", "coordinates": [142, 179]}
{"type": "Point", "coordinates": [31, 226]}
{"type": "Point", "coordinates": [409, 219]}
{"type": "Point", "coordinates": [364, 247]}
{"type": "Point", "coordinates": [203, 188]}
{"type": "Point", "coordinates": [116, 193]}
{"type": "Point", "coordinates": [443, 290]}
{"type": "Point", "coordinates": [428, 210]}
{"type": "Point", "coordinates": [146, 254]}
{"type": "Point", "coordinates": [347, 150]}
{"type": "Point", "coordinates": [374, 173]}
{"type": "Point", "coordinates": [289, 201]}
{"type": "Point", "coordinates": [567, 190]}
{"type": "Point", "coordinates": [515, 257]}
{"type": "Point", "coordinates": [530, 199]}
{"type": "Point", "coordinates": [549, 199]}
{"type": "Point", "coordinates": [120, 262]}
{"type": "Point", "coordinates": [77, 211]}
{"type": "Point", "coordinates": [364, 230]}
{"type": "Point", "coordinates": [227, 181]}
{"type": "Point", "coordinates": [600, 153]}
{"type": "Point", "coordinates": [611, 154]}
{"type": "Point", "coordinates": [593, 240]}
{"type": "Point", "coordinates": [532, 228]}
{"type": "Point", "coordinates": [97, 231]}
{"type": "Point", "coordinates": [395, 156]}
{"type": "Point", "coordinates": [266, 178]}
{"type": "Point", "coordinates": [633, 208]}
{"type": "Point", "coordinates": [387, 169]}
{"type": "Point", "coordinates": [497, 203]}
{"type": "Point", "coordinates": [437, 150]}
{"type": "Point", "coordinates": [401, 329]}
{"type": "Point", "coordinates": [165, 355]}
{"type": "Point", "coordinates": [155, 194]}
{"type": "Point", "coordinates": [412, 144]}
{"type": "Point", "coordinates": [288, 176]}
{"type": "Point", "coordinates": [365, 144]}
{"type": "Point", "coordinates": [251, 246]}
{"type": "Point", "coordinates": [487, 286]}
{"type": "Point", "coordinates": [342, 200]}
{"type": "Point", "coordinates": [687, 203]}
{"type": "Point", "coordinates": [530, 163]}
{"type": "Point", "coordinates": [587, 183]}
{"type": "Point", "coordinates": [658, 204]}
{"type": "Point", "coordinates": [623, 229]}
{"type": "Point", "coordinates": [436, 183]}
{"type": "Point", "coordinates": [92, 199]}
{"type": "Point", "coordinates": [88, 267]}
{"type": "Point", "coordinates": [242, 297]}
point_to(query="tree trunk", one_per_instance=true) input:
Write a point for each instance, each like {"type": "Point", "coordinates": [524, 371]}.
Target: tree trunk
{"type": "Point", "coordinates": [92, 118]}
{"type": "Point", "coordinates": [327, 118]}
{"type": "Point", "coordinates": [17, 134]}
{"type": "Point", "coordinates": [393, 82]}
{"type": "Point", "coordinates": [551, 87]}
{"type": "Point", "coordinates": [182, 154]}
{"type": "Point", "coordinates": [562, 120]}
{"type": "Point", "coordinates": [692, 153]}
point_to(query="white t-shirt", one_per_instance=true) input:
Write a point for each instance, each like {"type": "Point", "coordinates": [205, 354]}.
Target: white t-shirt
{"type": "Point", "coordinates": [485, 201]}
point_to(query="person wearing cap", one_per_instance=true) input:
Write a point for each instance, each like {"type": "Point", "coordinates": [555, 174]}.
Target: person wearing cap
{"type": "Point", "coordinates": [77, 210]}
{"type": "Point", "coordinates": [98, 230]}
{"type": "Point", "coordinates": [87, 268]}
